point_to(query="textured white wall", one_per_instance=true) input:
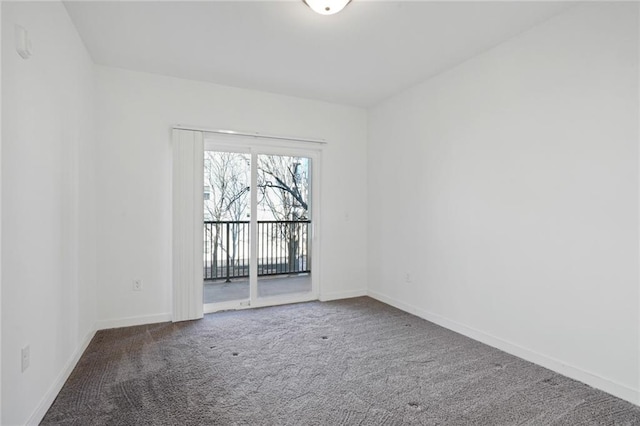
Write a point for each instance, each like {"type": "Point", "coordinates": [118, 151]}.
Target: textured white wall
{"type": "Point", "coordinates": [508, 188]}
{"type": "Point", "coordinates": [48, 275]}
{"type": "Point", "coordinates": [136, 112]}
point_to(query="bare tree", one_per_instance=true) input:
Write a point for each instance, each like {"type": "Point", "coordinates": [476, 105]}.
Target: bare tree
{"type": "Point", "coordinates": [284, 188]}
{"type": "Point", "coordinates": [226, 198]}
{"type": "Point", "coordinates": [283, 192]}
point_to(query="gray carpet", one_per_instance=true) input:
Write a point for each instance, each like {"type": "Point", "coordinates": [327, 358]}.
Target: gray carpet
{"type": "Point", "coordinates": [347, 362]}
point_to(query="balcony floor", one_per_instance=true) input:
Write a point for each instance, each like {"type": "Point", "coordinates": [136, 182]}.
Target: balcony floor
{"type": "Point", "coordinates": [238, 289]}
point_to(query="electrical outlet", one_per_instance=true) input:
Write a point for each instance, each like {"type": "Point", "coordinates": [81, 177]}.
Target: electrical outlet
{"type": "Point", "coordinates": [407, 278]}
{"type": "Point", "coordinates": [26, 357]}
{"type": "Point", "coordinates": [137, 285]}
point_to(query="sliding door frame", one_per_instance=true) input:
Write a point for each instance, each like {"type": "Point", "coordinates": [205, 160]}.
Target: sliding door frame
{"type": "Point", "coordinates": [255, 147]}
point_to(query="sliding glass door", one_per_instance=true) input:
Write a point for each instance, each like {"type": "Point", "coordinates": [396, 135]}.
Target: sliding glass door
{"type": "Point", "coordinates": [227, 210]}
{"type": "Point", "coordinates": [283, 225]}
{"type": "Point", "coordinates": [259, 221]}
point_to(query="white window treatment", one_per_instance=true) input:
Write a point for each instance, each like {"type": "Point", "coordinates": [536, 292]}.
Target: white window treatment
{"type": "Point", "coordinates": [188, 217]}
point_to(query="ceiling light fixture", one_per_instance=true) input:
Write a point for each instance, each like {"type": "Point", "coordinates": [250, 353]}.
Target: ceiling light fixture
{"type": "Point", "coordinates": [326, 7]}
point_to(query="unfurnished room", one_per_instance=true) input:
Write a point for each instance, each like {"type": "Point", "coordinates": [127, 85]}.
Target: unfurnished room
{"type": "Point", "coordinates": [320, 212]}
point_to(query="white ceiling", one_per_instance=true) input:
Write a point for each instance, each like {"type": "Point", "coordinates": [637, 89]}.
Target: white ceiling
{"type": "Point", "coordinates": [366, 53]}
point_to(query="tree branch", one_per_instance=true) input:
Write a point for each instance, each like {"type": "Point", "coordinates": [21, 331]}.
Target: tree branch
{"type": "Point", "coordinates": [283, 186]}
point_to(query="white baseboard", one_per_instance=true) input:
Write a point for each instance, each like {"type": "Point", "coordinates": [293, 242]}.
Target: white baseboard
{"type": "Point", "coordinates": [616, 389]}
{"type": "Point", "coordinates": [52, 392]}
{"type": "Point", "coordinates": [325, 297]}
{"type": "Point", "coordinates": [131, 321]}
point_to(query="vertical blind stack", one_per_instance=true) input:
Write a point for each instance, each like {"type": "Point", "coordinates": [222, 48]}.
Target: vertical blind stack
{"type": "Point", "coordinates": [188, 219]}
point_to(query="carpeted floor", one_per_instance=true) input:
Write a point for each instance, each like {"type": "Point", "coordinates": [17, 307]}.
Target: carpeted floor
{"type": "Point", "coordinates": [347, 362]}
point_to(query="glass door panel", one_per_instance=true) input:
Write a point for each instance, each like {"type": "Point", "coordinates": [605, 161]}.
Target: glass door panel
{"type": "Point", "coordinates": [227, 198]}
{"type": "Point", "coordinates": [283, 222]}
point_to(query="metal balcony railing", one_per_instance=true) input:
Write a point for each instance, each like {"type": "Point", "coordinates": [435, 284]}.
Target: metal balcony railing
{"type": "Point", "coordinates": [283, 248]}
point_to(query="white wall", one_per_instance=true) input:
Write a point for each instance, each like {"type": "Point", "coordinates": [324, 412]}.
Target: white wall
{"type": "Point", "coordinates": [508, 188]}
{"type": "Point", "coordinates": [48, 273]}
{"type": "Point", "coordinates": [135, 114]}
{"type": "Point", "coordinates": [0, 216]}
